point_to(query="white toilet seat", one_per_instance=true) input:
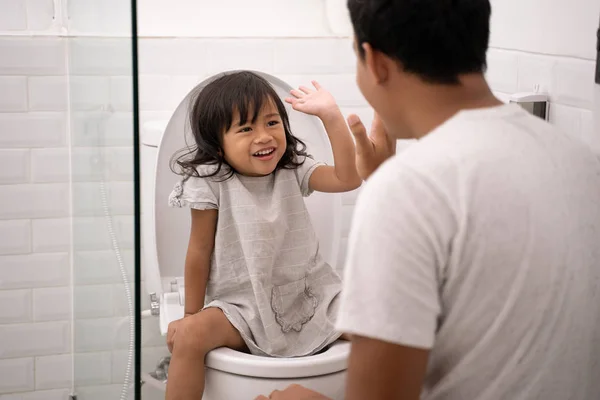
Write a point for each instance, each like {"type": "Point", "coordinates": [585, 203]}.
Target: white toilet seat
{"type": "Point", "coordinates": [332, 360]}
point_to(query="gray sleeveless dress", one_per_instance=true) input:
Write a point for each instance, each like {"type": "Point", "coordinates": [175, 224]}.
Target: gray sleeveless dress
{"type": "Point", "coordinates": [267, 275]}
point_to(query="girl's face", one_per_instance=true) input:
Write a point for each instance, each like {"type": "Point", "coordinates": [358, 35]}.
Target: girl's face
{"type": "Point", "coordinates": [255, 148]}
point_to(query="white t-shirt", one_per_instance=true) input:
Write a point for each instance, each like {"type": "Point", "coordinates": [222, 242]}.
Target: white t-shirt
{"type": "Point", "coordinates": [481, 242]}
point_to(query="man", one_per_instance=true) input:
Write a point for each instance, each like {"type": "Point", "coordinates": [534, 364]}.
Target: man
{"type": "Point", "coordinates": [474, 262]}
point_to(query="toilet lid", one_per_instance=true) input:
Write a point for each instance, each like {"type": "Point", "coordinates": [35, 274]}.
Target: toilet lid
{"type": "Point", "coordinates": [172, 225]}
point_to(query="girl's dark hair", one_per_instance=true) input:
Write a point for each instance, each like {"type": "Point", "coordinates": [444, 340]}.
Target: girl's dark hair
{"type": "Point", "coordinates": [211, 115]}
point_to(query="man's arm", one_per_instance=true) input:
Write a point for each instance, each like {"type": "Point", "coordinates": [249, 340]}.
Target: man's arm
{"type": "Point", "coordinates": [382, 370]}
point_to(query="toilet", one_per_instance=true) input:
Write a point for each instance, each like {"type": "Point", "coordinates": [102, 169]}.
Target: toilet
{"type": "Point", "coordinates": [230, 374]}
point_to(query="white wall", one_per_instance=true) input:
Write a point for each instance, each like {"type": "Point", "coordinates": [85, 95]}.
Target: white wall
{"type": "Point", "coordinates": [45, 115]}
{"type": "Point", "coordinates": [257, 18]}
{"type": "Point", "coordinates": [555, 27]}
{"type": "Point", "coordinates": [176, 52]}
{"type": "Point", "coordinates": [35, 312]}
{"type": "Point", "coordinates": [551, 45]}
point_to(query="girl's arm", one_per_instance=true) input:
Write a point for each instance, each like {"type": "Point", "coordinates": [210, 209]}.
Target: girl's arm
{"type": "Point", "coordinates": [197, 260]}
{"type": "Point", "coordinates": [343, 176]}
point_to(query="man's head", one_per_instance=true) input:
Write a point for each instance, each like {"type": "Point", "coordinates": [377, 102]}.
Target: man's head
{"type": "Point", "coordinates": [403, 43]}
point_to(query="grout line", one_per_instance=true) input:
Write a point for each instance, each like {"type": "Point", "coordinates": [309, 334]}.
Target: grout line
{"type": "Point", "coordinates": [70, 216]}
{"type": "Point", "coordinates": [563, 56]}
{"type": "Point", "coordinates": [108, 35]}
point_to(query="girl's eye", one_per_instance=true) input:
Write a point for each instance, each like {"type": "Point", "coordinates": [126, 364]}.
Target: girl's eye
{"type": "Point", "coordinates": [273, 123]}
{"type": "Point", "coordinates": [245, 129]}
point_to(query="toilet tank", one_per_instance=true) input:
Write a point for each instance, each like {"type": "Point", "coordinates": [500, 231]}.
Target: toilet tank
{"type": "Point", "coordinates": [151, 134]}
{"type": "Point", "coordinates": [166, 229]}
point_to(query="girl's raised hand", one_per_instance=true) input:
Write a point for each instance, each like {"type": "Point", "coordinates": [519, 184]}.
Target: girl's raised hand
{"type": "Point", "coordinates": [317, 101]}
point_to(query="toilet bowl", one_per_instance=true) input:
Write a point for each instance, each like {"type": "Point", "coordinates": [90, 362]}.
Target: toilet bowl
{"type": "Point", "coordinates": [234, 375]}
{"type": "Point", "coordinates": [230, 374]}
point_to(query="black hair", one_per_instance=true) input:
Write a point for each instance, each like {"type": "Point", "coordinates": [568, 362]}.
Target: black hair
{"type": "Point", "coordinates": [438, 40]}
{"type": "Point", "coordinates": [211, 115]}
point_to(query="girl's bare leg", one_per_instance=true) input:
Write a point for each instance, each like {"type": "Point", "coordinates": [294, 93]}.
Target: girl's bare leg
{"type": "Point", "coordinates": [197, 335]}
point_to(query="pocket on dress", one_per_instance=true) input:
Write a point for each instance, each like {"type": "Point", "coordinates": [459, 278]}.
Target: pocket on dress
{"type": "Point", "coordinates": [293, 304]}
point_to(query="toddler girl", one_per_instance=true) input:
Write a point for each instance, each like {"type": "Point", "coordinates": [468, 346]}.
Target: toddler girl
{"type": "Point", "coordinates": [253, 253]}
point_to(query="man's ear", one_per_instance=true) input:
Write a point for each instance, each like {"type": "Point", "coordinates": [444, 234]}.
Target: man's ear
{"type": "Point", "coordinates": [378, 64]}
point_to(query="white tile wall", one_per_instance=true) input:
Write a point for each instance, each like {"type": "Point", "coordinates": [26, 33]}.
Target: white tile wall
{"type": "Point", "coordinates": [88, 164]}
{"type": "Point", "coordinates": [100, 17]}
{"type": "Point", "coordinates": [568, 81]}
{"type": "Point", "coordinates": [89, 92]}
{"type": "Point", "coordinates": [155, 92]}
{"type": "Point", "coordinates": [48, 93]}
{"type": "Point", "coordinates": [96, 267]}
{"type": "Point", "coordinates": [180, 87]}
{"type": "Point", "coordinates": [32, 129]}
{"type": "Point", "coordinates": [100, 334]}
{"type": "Point", "coordinates": [40, 14]}
{"type": "Point", "coordinates": [150, 357]}
{"type": "Point", "coordinates": [88, 199]}
{"type": "Point", "coordinates": [52, 303]}
{"type": "Point", "coordinates": [91, 233]}
{"type": "Point", "coordinates": [51, 235]}
{"type": "Point", "coordinates": [100, 56]}
{"type": "Point", "coordinates": [56, 371]}
{"type": "Point", "coordinates": [34, 270]}
{"type": "Point", "coordinates": [119, 299]}
{"type": "Point", "coordinates": [565, 28]}
{"type": "Point", "coordinates": [50, 165]}
{"type": "Point", "coordinates": [14, 90]}
{"type": "Point", "coordinates": [15, 306]}
{"type": "Point", "coordinates": [53, 372]}
{"type": "Point", "coordinates": [13, 15]}
{"type": "Point", "coordinates": [228, 54]}
{"type": "Point", "coordinates": [34, 201]}
{"type": "Point", "coordinates": [32, 56]}
{"type": "Point", "coordinates": [259, 18]}
{"type": "Point", "coordinates": [502, 70]}
{"type": "Point", "coordinates": [16, 236]}
{"type": "Point", "coordinates": [99, 392]}
{"type": "Point", "coordinates": [93, 368]}
{"type": "Point", "coordinates": [535, 70]}
{"type": "Point", "coordinates": [59, 394]}
{"type": "Point", "coordinates": [566, 118]}
{"type": "Point", "coordinates": [121, 97]}
{"type": "Point", "coordinates": [573, 82]}
{"type": "Point", "coordinates": [309, 56]}
{"type": "Point", "coordinates": [93, 301]}
{"type": "Point", "coordinates": [43, 338]}
{"type": "Point", "coordinates": [18, 159]}
{"type": "Point", "coordinates": [173, 56]}
{"type": "Point", "coordinates": [101, 129]}
{"type": "Point", "coordinates": [118, 164]}
{"type": "Point", "coordinates": [35, 293]}
{"type": "Point", "coordinates": [588, 132]}
{"type": "Point", "coordinates": [16, 375]}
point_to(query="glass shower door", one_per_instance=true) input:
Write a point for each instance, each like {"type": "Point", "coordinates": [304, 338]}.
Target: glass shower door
{"type": "Point", "coordinates": [101, 102]}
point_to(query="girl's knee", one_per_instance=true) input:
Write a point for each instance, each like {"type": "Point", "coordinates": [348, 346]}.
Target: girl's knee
{"type": "Point", "coordinates": [193, 337]}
